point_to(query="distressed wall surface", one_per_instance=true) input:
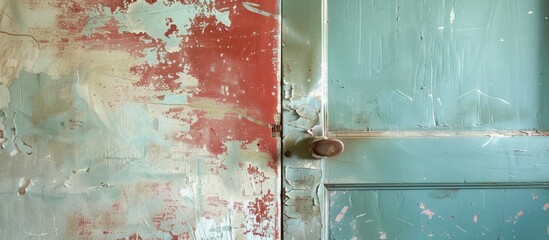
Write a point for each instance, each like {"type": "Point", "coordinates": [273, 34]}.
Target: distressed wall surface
{"type": "Point", "coordinates": [138, 119]}
{"type": "Point", "coordinates": [441, 106]}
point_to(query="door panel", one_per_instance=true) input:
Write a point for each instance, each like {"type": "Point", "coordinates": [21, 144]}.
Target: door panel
{"type": "Point", "coordinates": [392, 180]}
{"type": "Point", "coordinates": [442, 109]}
{"type": "Point", "coordinates": [480, 212]}
{"type": "Point", "coordinates": [412, 65]}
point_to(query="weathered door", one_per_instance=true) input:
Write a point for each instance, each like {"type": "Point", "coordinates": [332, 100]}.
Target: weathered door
{"type": "Point", "coordinates": [443, 111]}
{"type": "Point", "coordinates": [139, 119]}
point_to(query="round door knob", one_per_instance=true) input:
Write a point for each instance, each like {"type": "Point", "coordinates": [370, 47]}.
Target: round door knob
{"type": "Point", "coordinates": [325, 147]}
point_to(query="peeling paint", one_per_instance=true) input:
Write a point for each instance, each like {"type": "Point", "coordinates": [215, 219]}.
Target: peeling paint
{"type": "Point", "coordinates": [112, 125]}
{"type": "Point", "coordinates": [426, 211]}
{"type": "Point", "coordinates": [341, 214]}
{"type": "Point", "coordinates": [301, 106]}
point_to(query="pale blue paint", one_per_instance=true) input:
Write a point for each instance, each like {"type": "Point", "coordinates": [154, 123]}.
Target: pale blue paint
{"type": "Point", "coordinates": [440, 65]}
{"type": "Point", "coordinates": [175, 99]}
{"type": "Point", "coordinates": [418, 65]}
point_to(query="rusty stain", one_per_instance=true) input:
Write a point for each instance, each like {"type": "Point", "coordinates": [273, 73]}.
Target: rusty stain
{"type": "Point", "coordinates": [304, 206]}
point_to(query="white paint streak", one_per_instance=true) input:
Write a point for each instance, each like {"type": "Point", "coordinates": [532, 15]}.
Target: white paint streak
{"type": "Point", "coordinates": [186, 192]}
{"type": "Point", "coordinates": [55, 227]}
{"type": "Point", "coordinates": [36, 234]}
{"type": "Point", "coordinates": [452, 16]}
{"type": "Point", "coordinates": [484, 94]}
{"type": "Point", "coordinates": [402, 220]}
{"type": "Point", "coordinates": [470, 29]}
{"type": "Point", "coordinates": [254, 7]}
{"type": "Point", "coordinates": [404, 95]}
{"type": "Point", "coordinates": [465, 231]}
{"type": "Point", "coordinates": [487, 142]}
{"type": "Point", "coordinates": [16, 150]}
{"type": "Point", "coordinates": [340, 216]}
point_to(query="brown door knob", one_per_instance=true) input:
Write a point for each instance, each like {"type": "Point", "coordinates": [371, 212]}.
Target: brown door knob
{"type": "Point", "coordinates": [325, 147]}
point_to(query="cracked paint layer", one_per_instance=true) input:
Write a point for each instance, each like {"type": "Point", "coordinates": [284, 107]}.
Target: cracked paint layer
{"type": "Point", "coordinates": [139, 119]}
{"type": "Point", "coordinates": [301, 104]}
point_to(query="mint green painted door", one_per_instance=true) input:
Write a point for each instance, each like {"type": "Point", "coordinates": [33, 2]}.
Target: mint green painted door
{"type": "Point", "coordinates": [443, 108]}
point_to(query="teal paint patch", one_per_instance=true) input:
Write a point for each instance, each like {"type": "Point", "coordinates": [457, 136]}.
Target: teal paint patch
{"type": "Point", "coordinates": [102, 17]}
{"type": "Point", "coordinates": [438, 65]}
{"type": "Point", "coordinates": [169, 22]}
{"type": "Point", "coordinates": [153, 56]}
{"type": "Point", "coordinates": [159, 24]}
{"type": "Point", "coordinates": [175, 99]}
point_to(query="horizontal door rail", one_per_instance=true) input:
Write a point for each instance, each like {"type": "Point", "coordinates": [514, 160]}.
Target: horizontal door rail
{"type": "Point", "coordinates": [437, 186]}
{"type": "Point", "coordinates": [431, 134]}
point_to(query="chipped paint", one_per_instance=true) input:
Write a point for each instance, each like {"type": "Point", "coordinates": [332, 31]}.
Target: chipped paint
{"type": "Point", "coordinates": [113, 125]}
{"type": "Point", "coordinates": [437, 92]}
{"type": "Point", "coordinates": [426, 211]}
{"type": "Point", "coordinates": [382, 235]}
{"type": "Point", "coordinates": [301, 104]}
{"type": "Point", "coordinates": [341, 214]}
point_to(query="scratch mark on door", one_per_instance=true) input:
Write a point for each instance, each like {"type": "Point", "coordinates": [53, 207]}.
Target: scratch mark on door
{"type": "Point", "coordinates": [486, 95]}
